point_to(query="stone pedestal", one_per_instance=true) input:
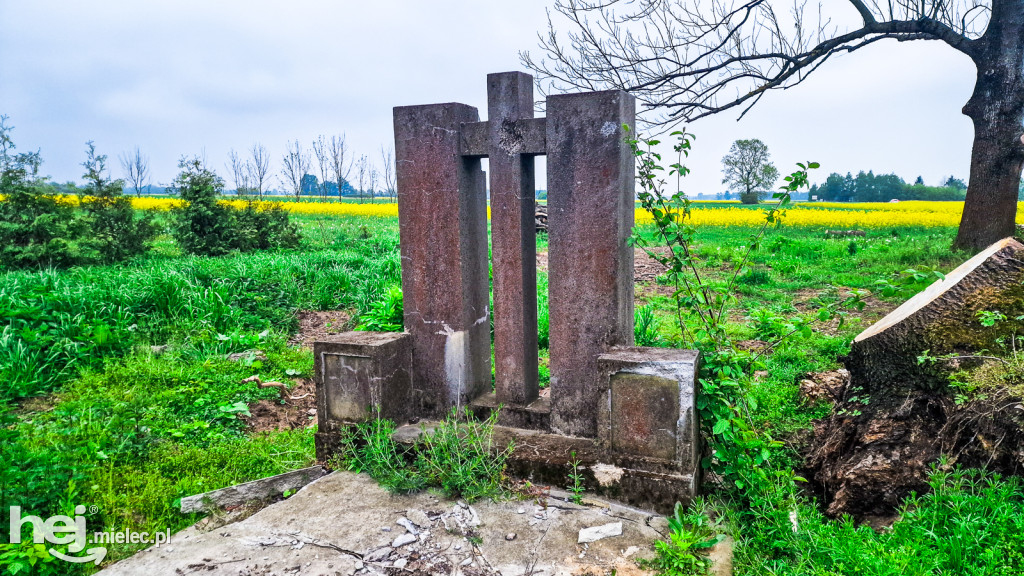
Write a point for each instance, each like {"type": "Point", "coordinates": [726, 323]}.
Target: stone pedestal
{"type": "Point", "coordinates": [647, 406]}
{"type": "Point", "coordinates": [361, 375]}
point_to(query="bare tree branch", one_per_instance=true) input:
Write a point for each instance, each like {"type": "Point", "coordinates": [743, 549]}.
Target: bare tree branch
{"type": "Point", "coordinates": [136, 169]}
{"type": "Point", "coordinates": [687, 59]}
{"type": "Point", "coordinates": [337, 151]}
{"type": "Point", "coordinates": [258, 167]}
{"type": "Point", "coordinates": [295, 165]}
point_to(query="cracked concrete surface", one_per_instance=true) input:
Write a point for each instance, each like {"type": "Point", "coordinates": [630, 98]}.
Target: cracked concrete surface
{"type": "Point", "coordinates": [344, 524]}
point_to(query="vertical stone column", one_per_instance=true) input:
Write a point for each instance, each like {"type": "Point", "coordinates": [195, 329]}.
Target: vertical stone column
{"type": "Point", "coordinates": [590, 264]}
{"type": "Point", "coordinates": [513, 238]}
{"type": "Point", "coordinates": [442, 209]}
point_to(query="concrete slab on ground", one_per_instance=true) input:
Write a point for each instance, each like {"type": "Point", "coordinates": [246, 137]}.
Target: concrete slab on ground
{"type": "Point", "coordinates": [345, 524]}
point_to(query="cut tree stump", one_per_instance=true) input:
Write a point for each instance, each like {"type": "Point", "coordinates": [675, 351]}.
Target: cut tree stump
{"type": "Point", "coordinates": [895, 416]}
{"type": "Point", "coordinates": [941, 319]}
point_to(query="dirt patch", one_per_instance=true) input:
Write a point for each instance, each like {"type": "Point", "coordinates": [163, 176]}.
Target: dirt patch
{"type": "Point", "coordinates": [870, 453]}
{"type": "Point", "coordinates": [296, 410]}
{"type": "Point", "coordinates": [315, 324]}
{"type": "Point", "coordinates": [874, 309]}
{"type": "Point", "coordinates": [825, 385]}
{"type": "Point", "coordinates": [542, 261]}
{"type": "Point", "coordinates": [755, 346]}
{"type": "Point", "coordinates": [645, 268]}
{"type": "Point", "coordinates": [35, 405]}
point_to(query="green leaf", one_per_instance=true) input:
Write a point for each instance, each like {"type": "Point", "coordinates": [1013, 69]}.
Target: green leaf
{"type": "Point", "coordinates": [721, 426]}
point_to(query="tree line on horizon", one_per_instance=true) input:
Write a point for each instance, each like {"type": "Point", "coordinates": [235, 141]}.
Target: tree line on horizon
{"type": "Point", "coordinates": [871, 187]}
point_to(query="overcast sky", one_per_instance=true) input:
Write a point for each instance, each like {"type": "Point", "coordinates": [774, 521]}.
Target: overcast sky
{"type": "Point", "coordinates": [194, 77]}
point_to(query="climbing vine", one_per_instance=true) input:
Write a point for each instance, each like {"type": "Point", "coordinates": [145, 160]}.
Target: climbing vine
{"type": "Point", "coordinates": [738, 453]}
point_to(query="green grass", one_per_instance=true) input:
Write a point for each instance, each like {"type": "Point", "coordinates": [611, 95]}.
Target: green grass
{"type": "Point", "coordinates": [135, 436]}
{"type": "Point", "coordinates": [968, 524]}
{"type": "Point", "coordinates": [58, 322]}
{"type": "Point", "coordinates": [131, 432]}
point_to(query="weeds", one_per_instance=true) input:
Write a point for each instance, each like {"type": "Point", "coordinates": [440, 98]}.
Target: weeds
{"type": "Point", "coordinates": [576, 478]}
{"type": "Point", "coordinates": [646, 327]}
{"type": "Point", "coordinates": [689, 535]}
{"type": "Point", "coordinates": [458, 456]}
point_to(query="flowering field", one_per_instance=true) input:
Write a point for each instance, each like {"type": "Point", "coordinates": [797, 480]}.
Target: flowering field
{"type": "Point", "coordinates": [820, 214]}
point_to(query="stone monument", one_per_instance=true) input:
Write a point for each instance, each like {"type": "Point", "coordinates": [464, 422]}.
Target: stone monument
{"type": "Point", "coordinates": [628, 413]}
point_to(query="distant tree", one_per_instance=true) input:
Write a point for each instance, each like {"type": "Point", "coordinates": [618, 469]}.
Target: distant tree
{"type": "Point", "coordinates": [295, 167]}
{"type": "Point", "coordinates": [258, 167]}
{"type": "Point", "coordinates": [241, 173]}
{"type": "Point", "coordinates": [834, 189]}
{"type": "Point", "coordinates": [203, 225]}
{"type": "Point", "coordinates": [37, 227]}
{"type": "Point", "coordinates": [337, 152]}
{"type": "Point", "coordinates": [374, 175]}
{"type": "Point", "coordinates": [362, 175]}
{"type": "Point", "coordinates": [747, 168]}
{"type": "Point", "coordinates": [6, 143]}
{"type": "Point", "coordinates": [869, 187]}
{"type": "Point", "coordinates": [388, 175]}
{"type": "Point", "coordinates": [136, 169]}
{"type": "Point", "coordinates": [322, 151]}
{"type": "Point", "coordinates": [919, 181]}
{"type": "Point", "coordinates": [310, 185]}
{"type": "Point", "coordinates": [957, 183]}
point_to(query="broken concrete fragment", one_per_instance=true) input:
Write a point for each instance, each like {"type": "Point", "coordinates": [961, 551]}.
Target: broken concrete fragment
{"type": "Point", "coordinates": [418, 517]}
{"type": "Point", "coordinates": [599, 532]}
{"type": "Point", "coordinates": [257, 490]}
{"type": "Point", "coordinates": [607, 474]}
{"type": "Point", "coordinates": [409, 526]}
{"type": "Point", "coordinates": [403, 540]}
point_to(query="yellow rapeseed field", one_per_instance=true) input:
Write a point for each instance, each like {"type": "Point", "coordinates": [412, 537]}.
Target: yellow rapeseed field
{"type": "Point", "coordinates": [819, 214]}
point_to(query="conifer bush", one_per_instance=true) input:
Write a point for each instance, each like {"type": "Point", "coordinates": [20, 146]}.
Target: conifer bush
{"type": "Point", "coordinates": [208, 227]}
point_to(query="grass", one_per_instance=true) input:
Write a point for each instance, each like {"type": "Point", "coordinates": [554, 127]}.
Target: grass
{"type": "Point", "coordinates": [59, 322]}
{"type": "Point", "coordinates": [90, 415]}
{"type": "Point", "coordinates": [969, 524]}
{"type": "Point", "coordinates": [138, 434]}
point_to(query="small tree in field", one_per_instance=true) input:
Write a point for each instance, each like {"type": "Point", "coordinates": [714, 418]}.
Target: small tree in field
{"type": "Point", "coordinates": [206, 226]}
{"type": "Point", "coordinates": [136, 169]}
{"type": "Point", "coordinates": [116, 234]}
{"type": "Point", "coordinates": [747, 169]}
{"type": "Point", "coordinates": [203, 225]}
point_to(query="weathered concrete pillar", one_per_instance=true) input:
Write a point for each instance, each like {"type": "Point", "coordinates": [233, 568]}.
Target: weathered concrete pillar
{"type": "Point", "coordinates": [513, 238]}
{"type": "Point", "coordinates": [442, 209]}
{"type": "Point", "coordinates": [590, 264]}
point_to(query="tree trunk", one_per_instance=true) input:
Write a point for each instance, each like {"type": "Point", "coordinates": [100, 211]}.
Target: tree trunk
{"type": "Point", "coordinates": [896, 415]}
{"type": "Point", "coordinates": [997, 110]}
